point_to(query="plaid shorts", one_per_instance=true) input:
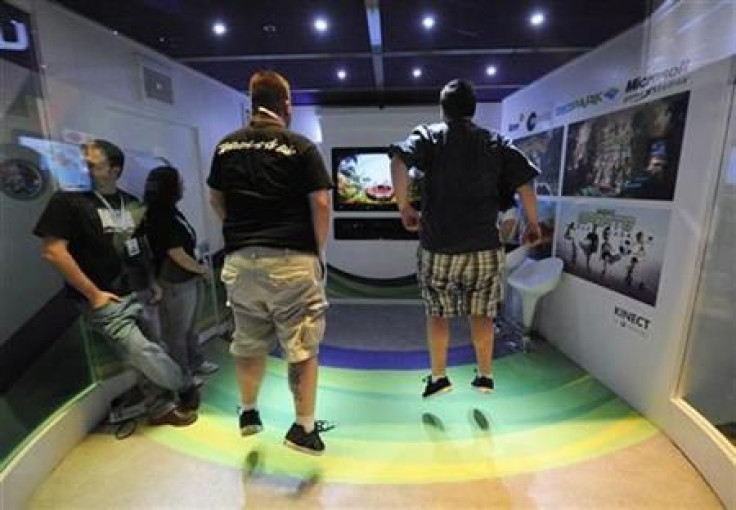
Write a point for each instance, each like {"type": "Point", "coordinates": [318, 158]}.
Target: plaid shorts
{"type": "Point", "coordinates": [460, 284]}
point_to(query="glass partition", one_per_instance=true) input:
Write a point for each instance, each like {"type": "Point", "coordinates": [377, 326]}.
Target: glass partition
{"type": "Point", "coordinates": [709, 376]}
{"type": "Point", "coordinates": [56, 93]}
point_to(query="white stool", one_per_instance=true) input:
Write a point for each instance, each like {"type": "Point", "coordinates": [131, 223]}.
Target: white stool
{"type": "Point", "coordinates": [515, 257]}
{"type": "Point", "coordinates": [532, 280]}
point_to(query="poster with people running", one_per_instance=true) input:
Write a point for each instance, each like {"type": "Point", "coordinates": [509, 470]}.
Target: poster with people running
{"type": "Point", "coordinates": [545, 151]}
{"type": "Point", "coordinates": [620, 248]}
{"type": "Point", "coordinates": [631, 153]}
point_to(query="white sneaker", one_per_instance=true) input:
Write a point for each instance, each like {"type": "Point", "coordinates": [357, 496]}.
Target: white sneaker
{"type": "Point", "coordinates": [207, 368]}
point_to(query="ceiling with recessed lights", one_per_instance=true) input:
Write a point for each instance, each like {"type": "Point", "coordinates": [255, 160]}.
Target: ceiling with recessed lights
{"type": "Point", "coordinates": [371, 52]}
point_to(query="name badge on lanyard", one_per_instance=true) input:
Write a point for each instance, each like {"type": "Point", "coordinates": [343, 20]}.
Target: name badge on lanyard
{"type": "Point", "coordinates": [115, 220]}
{"type": "Point", "coordinates": [132, 248]}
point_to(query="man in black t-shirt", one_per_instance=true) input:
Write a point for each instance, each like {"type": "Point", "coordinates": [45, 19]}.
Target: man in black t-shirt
{"type": "Point", "coordinates": [469, 175]}
{"type": "Point", "coordinates": [92, 238]}
{"type": "Point", "coordinates": [270, 188]}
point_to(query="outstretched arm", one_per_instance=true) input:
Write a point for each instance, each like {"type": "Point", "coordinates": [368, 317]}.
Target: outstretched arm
{"type": "Point", "coordinates": [400, 182]}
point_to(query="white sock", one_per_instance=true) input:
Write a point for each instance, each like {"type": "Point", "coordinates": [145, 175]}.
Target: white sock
{"type": "Point", "coordinates": [247, 407]}
{"type": "Point", "coordinates": [436, 378]}
{"type": "Point", "coordinates": [307, 422]}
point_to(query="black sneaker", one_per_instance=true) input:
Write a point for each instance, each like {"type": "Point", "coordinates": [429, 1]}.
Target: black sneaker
{"type": "Point", "coordinates": [250, 423]}
{"type": "Point", "coordinates": [441, 385]}
{"type": "Point", "coordinates": [190, 398]}
{"type": "Point", "coordinates": [482, 384]}
{"type": "Point", "coordinates": [298, 439]}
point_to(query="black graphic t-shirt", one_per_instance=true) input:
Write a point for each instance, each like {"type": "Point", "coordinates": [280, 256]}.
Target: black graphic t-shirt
{"type": "Point", "coordinates": [470, 174]}
{"type": "Point", "coordinates": [266, 173]}
{"type": "Point", "coordinates": [167, 228]}
{"type": "Point", "coordinates": [104, 237]}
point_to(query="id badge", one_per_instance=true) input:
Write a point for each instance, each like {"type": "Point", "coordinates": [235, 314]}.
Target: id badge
{"type": "Point", "coordinates": [132, 248]}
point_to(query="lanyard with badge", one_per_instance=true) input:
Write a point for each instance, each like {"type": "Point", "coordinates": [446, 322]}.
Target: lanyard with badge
{"type": "Point", "coordinates": [119, 221]}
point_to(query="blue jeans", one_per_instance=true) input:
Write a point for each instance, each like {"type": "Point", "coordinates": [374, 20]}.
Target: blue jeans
{"type": "Point", "coordinates": [122, 325]}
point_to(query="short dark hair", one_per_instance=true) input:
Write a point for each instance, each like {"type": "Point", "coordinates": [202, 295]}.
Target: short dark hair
{"type": "Point", "coordinates": [457, 99]}
{"type": "Point", "coordinates": [113, 153]}
{"type": "Point", "coordinates": [162, 187]}
{"type": "Point", "coordinates": [268, 89]}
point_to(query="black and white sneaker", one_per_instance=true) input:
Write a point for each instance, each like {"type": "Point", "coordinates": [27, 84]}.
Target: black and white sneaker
{"type": "Point", "coordinates": [482, 384]}
{"type": "Point", "coordinates": [305, 442]}
{"type": "Point", "coordinates": [441, 385]}
{"type": "Point", "coordinates": [250, 422]}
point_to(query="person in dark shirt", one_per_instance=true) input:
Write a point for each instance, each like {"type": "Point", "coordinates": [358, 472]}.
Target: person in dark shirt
{"type": "Point", "coordinates": [93, 239]}
{"type": "Point", "coordinates": [469, 175]}
{"type": "Point", "coordinates": [270, 188]}
{"type": "Point", "coordinates": [173, 241]}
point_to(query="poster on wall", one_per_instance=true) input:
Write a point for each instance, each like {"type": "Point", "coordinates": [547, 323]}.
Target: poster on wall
{"type": "Point", "coordinates": [631, 153]}
{"type": "Point", "coordinates": [545, 151]}
{"type": "Point", "coordinates": [617, 247]}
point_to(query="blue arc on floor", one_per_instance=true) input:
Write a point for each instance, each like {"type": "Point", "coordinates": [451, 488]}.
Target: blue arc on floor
{"type": "Point", "coordinates": [341, 357]}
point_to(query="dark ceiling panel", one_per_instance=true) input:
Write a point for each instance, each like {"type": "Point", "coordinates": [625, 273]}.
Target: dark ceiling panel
{"type": "Point", "coordinates": [511, 70]}
{"type": "Point", "coordinates": [468, 36]}
{"type": "Point", "coordinates": [504, 23]}
{"type": "Point", "coordinates": [306, 74]}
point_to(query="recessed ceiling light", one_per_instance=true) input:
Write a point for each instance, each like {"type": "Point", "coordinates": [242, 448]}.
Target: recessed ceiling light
{"type": "Point", "coordinates": [536, 19]}
{"type": "Point", "coordinates": [416, 72]}
{"type": "Point", "coordinates": [219, 28]}
{"type": "Point", "coordinates": [342, 74]}
{"type": "Point", "coordinates": [321, 25]}
{"type": "Point", "coordinates": [491, 70]}
{"type": "Point", "coordinates": [428, 22]}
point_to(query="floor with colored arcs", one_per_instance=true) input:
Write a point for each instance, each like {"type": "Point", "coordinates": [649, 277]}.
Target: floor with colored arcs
{"type": "Point", "coordinates": [550, 436]}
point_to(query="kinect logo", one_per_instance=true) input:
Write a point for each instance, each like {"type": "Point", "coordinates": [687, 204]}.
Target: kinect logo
{"type": "Point", "coordinates": [632, 321]}
{"type": "Point", "coordinates": [21, 38]}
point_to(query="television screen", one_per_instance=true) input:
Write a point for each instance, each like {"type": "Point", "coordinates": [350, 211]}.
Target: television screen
{"type": "Point", "coordinates": [63, 160]}
{"type": "Point", "coordinates": [362, 177]}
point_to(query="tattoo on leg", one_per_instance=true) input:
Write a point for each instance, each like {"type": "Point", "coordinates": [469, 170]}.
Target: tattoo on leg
{"type": "Point", "coordinates": [295, 379]}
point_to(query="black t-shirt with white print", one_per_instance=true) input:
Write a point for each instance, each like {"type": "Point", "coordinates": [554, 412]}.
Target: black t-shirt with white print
{"type": "Point", "coordinates": [104, 238]}
{"type": "Point", "coordinates": [266, 173]}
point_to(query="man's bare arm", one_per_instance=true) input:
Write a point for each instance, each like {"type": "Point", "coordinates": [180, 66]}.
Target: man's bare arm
{"type": "Point", "coordinates": [56, 251]}
{"type": "Point", "coordinates": [320, 202]}
{"type": "Point", "coordinates": [217, 201]}
{"type": "Point", "coordinates": [400, 182]}
{"type": "Point", "coordinates": [532, 232]}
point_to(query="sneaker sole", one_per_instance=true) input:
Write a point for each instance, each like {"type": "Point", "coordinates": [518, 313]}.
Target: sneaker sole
{"type": "Point", "coordinates": [250, 430]}
{"type": "Point", "coordinates": [485, 391]}
{"type": "Point", "coordinates": [438, 393]}
{"type": "Point", "coordinates": [301, 449]}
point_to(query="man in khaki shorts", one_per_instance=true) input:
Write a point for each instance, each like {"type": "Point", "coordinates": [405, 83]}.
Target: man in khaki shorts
{"type": "Point", "coordinates": [270, 188]}
{"type": "Point", "coordinates": [469, 174]}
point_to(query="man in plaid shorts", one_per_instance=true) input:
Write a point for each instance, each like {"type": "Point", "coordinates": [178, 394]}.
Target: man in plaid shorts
{"type": "Point", "coordinates": [469, 174]}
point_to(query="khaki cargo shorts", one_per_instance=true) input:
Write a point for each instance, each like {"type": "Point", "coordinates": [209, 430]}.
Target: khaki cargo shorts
{"type": "Point", "coordinates": [276, 295]}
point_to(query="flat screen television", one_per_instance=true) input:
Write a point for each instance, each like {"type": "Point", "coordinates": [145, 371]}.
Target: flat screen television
{"type": "Point", "coordinates": [362, 177]}
{"type": "Point", "coordinates": [63, 160]}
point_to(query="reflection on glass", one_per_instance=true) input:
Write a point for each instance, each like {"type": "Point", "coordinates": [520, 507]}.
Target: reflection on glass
{"type": "Point", "coordinates": [709, 377]}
